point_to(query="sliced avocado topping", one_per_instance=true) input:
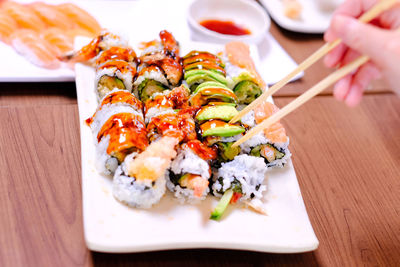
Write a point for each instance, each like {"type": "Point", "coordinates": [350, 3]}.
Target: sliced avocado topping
{"type": "Point", "coordinates": [222, 205]}
{"type": "Point", "coordinates": [210, 84]}
{"type": "Point", "coordinates": [220, 128]}
{"type": "Point", "coordinates": [209, 94]}
{"type": "Point", "coordinates": [247, 92]}
{"type": "Point", "coordinates": [199, 76]}
{"type": "Point", "coordinates": [226, 152]}
{"type": "Point", "coordinates": [148, 88]}
{"type": "Point", "coordinates": [205, 65]}
{"type": "Point", "coordinates": [224, 112]}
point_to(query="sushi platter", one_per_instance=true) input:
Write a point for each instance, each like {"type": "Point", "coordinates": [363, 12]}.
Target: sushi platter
{"type": "Point", "coordinates": [146, 201]}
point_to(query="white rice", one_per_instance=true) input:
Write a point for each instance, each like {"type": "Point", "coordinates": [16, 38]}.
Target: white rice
{"type": "Point", "coordinates": [140, 194]}
{"type": "Point", "coordinates": [188, 162]}
{"type": "Point", "coordinates": [126, 78]}
{"type": "Point", "coordinates": [248, 170]}
{"type": "Point", "coordinates": [231, 138]}
{"type": "Point", "coordinates": [105, 164]}
{"type": "Point", "coordinates": [249, 119]}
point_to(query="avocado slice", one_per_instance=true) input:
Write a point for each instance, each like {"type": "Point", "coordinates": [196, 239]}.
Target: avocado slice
{"type": "Point", "coordinates": [226, 152]}
{"type": "Point", "coordinates": [220, 128]}
{"type": "Point", "coordinates": [210, 84]}
{"type": "Point", "coordinates": [205, 65]}
{"type": "Point", "coordinates": [148, 88]}
{"type": "Point", "coordinates": [108, 83]}
{"type": "Point", "coordinates": [199, 76]}
{"type": "Point", "coordinates": [210, 94]}
{"type": "Point", "coordinates": [247, 91]}
{"type": "Point", "coordinates": [223, 112]}
{"type": "Point", "coordinates": [222, 205]}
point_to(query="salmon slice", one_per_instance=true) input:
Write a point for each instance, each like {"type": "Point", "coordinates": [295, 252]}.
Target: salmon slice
{"type": "Point", "coordinates": [239, 54]}
{"type": "Point", "coordinates": [276, 133]}
{"type": "Point", "coordinates": [80, 17]}
{"type": "Point", "coordinates": [52, 16]}
{"type": "Point", "coordinates": [59, 39]}
{"type": "Point", "coordinates": [36, 50]}
{"type": "Point", "coordinates": [7, 26]}
{"type": "Point", "coordinates": [24, 16]}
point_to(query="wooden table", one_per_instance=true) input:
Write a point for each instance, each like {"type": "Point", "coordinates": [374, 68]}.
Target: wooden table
{"type": "Point", "coordinates": [347, 162]}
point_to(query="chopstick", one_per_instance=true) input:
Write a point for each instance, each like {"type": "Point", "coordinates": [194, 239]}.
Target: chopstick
{"type": "Point", "coordinates": [315, 90]}
{"type": "Point", "coordinates": [377, 9]}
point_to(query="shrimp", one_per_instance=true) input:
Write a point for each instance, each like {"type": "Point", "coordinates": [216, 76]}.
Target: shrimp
{"type": "Point", "coordinates": [196, 183]}
{"type": "Point", "coordinates": [38, 51]}
{"type": "Point", "coordinates": [59, 39]}
{"type": "Point", "coordinates": [80, 17]}
{"type": "Point", "coordinates": [7, 26]}
{"type": "Point", "coordinates": [239, 54]}
{"type": "Point", "coordinates": [24, 16]}
{"type": "Point", "coordinates": [276, 132]}
{"type": "Point", "coordinates": [102, 42]}
{"type": "Point", "coordinates": [154, 161]}
{"type": "Point", "coordinates": [52, 16]}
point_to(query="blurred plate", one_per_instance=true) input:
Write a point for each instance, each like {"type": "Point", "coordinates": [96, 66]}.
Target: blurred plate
{"type": "Point", "coordinates": [313, 18]}
{"type": "Point", "coordinates": [110, 226]}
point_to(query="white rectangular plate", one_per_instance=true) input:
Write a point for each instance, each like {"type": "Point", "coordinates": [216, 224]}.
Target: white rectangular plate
{"type": "Point", "coordinates": [313, 19]}
{"type": "Point", "coordinates": [110, 226]}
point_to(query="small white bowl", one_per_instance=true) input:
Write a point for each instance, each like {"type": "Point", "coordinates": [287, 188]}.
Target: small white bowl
{"type": "Point", "coordinates": [246, 13]}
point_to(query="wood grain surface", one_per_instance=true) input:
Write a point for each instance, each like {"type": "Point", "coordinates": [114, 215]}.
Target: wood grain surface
{"type": "Point", "coordinates": [347, 162]}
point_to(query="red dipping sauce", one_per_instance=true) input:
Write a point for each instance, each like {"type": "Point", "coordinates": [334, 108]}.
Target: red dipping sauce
{"type": "Point", "coordinates": [224, 27]}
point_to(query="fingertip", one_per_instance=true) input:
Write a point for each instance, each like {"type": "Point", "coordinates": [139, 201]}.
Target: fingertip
{"type": "Point", "coordinates": [329, 36]}
{"type": "Point", "coordinates": [355, 95]}
{"type": "Point", "coordinates": [341, 88]}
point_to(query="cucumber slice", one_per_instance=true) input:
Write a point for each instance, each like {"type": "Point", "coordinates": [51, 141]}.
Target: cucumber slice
{"type": "Point", "coordinates": [222, 205]}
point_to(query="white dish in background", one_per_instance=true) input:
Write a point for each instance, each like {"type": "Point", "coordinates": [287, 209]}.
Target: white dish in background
{"type": "Point", "coordinates": [315, 17]}
{"type": "Point", "coordinates": [247, 14]}
{"type": "Point", "coordinates": [110, 226]}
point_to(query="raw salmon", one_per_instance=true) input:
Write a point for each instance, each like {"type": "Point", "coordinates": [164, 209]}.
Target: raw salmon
{"type": "Point", "coordinates": [38, 51]}
{"type": "Point", "coordinates": [52, 16]}
{"type": "Point", "coordinates": [7, 26]}
{"type": "Point", "coordinates": [59, 39]}
{"type": "Point", "coordinates": [239, 54]}
{"type": "Point", "coordinates": [24, 16]}
{"type": "Point", "coordinates": [80, 17]}
{"type": "Point", "coordinates": [276, 132]}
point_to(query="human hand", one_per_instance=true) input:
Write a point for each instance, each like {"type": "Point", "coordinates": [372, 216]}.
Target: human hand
{"type": "Point", "coordinates": [377, 40]}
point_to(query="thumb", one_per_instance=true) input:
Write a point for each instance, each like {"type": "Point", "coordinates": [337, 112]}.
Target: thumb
{"type": "Point", "coordinates": [364, 38]}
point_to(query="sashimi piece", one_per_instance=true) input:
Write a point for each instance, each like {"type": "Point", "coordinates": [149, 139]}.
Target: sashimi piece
{"type": "Point", "coordinates": [239, 54]}
{"type": "Point", "coordinates": [36, 50]}
{"type": "Point", "coordinates": [80, 17]}
{"type": "Point", "coordinates": [24, 16]}
{"type": "Point", "coordinates": [7, 26]}
{"type": "Point", "coordinates": [59, 39]}
{"type": "Point", "coordinates": [52, 16]}
{"type": "Point", "coordinates": [276, 133]}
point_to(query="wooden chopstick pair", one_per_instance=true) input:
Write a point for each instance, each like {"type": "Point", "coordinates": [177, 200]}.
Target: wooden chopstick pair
{"type": "Point", "coordinates": [381, 6]}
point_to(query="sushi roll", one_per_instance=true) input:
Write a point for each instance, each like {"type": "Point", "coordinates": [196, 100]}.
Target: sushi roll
{"type": "Point", "coordinates": [239, 180]}
{"type": "Point", "coordinates": [190, 171]}
{"type": "Point", "coordinates": [203, 66]}
{"type": "Point", "coordinates": [119, 129]}
{"type": "Point", "coordinates": [271, 144]}
{"type": "Point", "coordinates": [242, 75]}
{"type": "Point", "coordinates": [114, 74]}
{"type": "Point", "coordinates": [160, 66]}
